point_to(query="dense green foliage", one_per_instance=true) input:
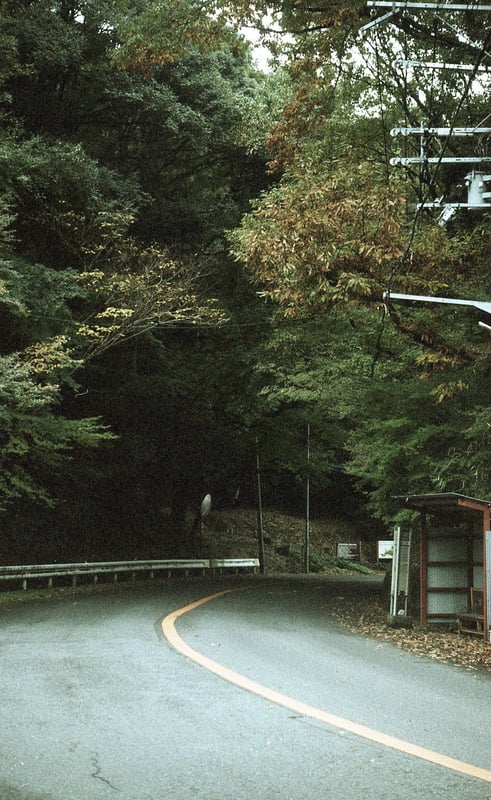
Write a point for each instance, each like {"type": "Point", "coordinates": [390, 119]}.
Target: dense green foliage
{"type": "Point", "coordinates": [408, 385]}
{"type": "Point", "coordinates": [193, 256]}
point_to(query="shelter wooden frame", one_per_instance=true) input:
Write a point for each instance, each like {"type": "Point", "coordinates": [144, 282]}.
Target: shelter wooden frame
{"type": "Point", "coordinates": [454, 557]}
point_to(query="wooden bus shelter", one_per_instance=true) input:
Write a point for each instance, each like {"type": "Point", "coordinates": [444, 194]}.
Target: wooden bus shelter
{"type": "Point", "coordinates": [455, 560]}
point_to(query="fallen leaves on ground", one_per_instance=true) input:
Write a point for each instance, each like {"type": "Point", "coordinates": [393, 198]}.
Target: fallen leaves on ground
{"type": "Point", "coordinates": [441, 644]}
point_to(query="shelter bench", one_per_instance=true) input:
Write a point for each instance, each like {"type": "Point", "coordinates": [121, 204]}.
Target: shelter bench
{"type": "Point", "coordinates": [472, 621]}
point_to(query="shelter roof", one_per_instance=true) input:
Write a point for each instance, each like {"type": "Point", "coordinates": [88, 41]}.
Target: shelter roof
{"type": "Point", "coordinates": [444, 503]}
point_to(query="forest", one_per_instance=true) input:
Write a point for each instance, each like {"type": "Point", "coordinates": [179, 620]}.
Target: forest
{"type": "Point", "coordinates": [197, 253]}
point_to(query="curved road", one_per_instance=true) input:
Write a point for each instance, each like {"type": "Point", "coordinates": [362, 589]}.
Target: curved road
{"type": "Point", "coordinates": [97, 703]}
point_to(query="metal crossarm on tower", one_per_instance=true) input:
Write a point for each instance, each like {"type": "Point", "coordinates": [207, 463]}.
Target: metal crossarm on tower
{"type": "Point", "coordinates": [400, 6]}
{"type": "Point", "coordinates": [406, 62]}
{"type": "Point", "coordinates": [402, 161]}
{"type": "Point", "coordinates": [417, 298]}
{"type": "Point", "coordinates": [432, 154]}
{"type": "Point", "coordinates": [406, 131]}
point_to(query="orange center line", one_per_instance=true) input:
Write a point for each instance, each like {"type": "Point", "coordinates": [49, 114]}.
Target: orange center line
{"type": "Point", "coordinates": [169, 630]}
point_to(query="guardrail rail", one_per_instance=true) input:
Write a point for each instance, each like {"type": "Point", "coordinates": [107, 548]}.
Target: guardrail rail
{"type": "Point", "coordinates": [167, 567]}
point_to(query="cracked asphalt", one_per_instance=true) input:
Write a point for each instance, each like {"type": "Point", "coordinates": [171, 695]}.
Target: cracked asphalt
{"type": "Point", "coordinates": [96, 704]}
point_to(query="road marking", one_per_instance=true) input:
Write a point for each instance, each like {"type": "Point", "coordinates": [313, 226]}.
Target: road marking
{"type": "Point", "coordinates": [169, 630]}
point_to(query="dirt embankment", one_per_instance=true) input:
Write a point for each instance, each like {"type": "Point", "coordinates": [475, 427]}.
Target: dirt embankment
{"type": "Point", "coordinates": [235, 533]}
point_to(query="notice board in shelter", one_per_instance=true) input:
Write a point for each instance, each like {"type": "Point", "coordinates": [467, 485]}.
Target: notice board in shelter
{"type": "Point", "coordinates": [446, 572]}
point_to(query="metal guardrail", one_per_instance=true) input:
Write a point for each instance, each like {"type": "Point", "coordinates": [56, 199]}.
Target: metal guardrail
{"type": "Point", "coordinates": [115, 568]}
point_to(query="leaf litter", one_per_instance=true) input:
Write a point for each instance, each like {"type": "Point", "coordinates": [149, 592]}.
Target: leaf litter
{"type": "Point", "coordinates": [442, 643]}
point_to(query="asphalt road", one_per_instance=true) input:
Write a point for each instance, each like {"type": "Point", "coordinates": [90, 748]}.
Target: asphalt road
{"type": "Point", "coordinates": [96, 703]}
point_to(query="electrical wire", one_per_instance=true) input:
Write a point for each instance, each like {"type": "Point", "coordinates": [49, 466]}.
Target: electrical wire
{"type": "Point", "coordinates": [382, 112]}
{"type": "Point", "coordinates": [425, 195]}
{"type": "Point", "coordinates": [398, 266]}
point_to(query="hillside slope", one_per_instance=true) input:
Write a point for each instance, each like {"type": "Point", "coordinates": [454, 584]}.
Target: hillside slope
{"type": "Point", "coordinates": [234, 533]}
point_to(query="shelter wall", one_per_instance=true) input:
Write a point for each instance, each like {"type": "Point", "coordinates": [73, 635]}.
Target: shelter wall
{"type": "Point", "coordinates": [454, 564]}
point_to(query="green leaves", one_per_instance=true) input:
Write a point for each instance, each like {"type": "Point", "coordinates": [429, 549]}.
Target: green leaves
{"type": "Point", "coordinates": [36, 441]}
{"type": "Point", "coordinates": [122, 161]}
{"type": "Point", "coordinates": [337, 230]}
{"type": "Point", "coordinates": [164, 32]}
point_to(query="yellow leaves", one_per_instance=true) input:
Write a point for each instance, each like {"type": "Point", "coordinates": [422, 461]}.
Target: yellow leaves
{"type": "Point", "coordinates": [93, 277]}
{"type": "Point", "coordinates": [98, 240]}
{"type": "Point", "coordinates": [115, 313]}
{"type": "Point", "coordinates": [345, 227]}
{"type": "Point", "coordinates": [158, 291]}
{"type": "Point", "coordinates": [165, 32]}
{"type": "Point", "coordinates": [143, 58]}
{"type": "Point", "coordinates": [446, 391]}
{"type": "Point", "coordinates": [49, 356]}
{"type": "Point", "coordinates": [351, 286]}
{"type": "Point", "coordinates": [86, 331]}
{"type": "Point", "coordinates": [438, 360]}
{"type": "Point", "coordinates": [99, 333]}
{"type": "Point", "coordinates": [435, 360]}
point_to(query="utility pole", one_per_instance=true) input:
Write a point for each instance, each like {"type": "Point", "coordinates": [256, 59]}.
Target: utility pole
{"type": "Point", "coordinates": [260, 533]}
{"type": "Point", "coordinates": [432, 153]}
{"type": "Point", "coordinates": [307, 514]}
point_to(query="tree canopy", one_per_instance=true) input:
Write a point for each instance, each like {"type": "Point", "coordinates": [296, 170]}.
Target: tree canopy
{"type": "Point", "coordinates": [194, 257]}
{"type": "Point", "coordinates": [340, 229]}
